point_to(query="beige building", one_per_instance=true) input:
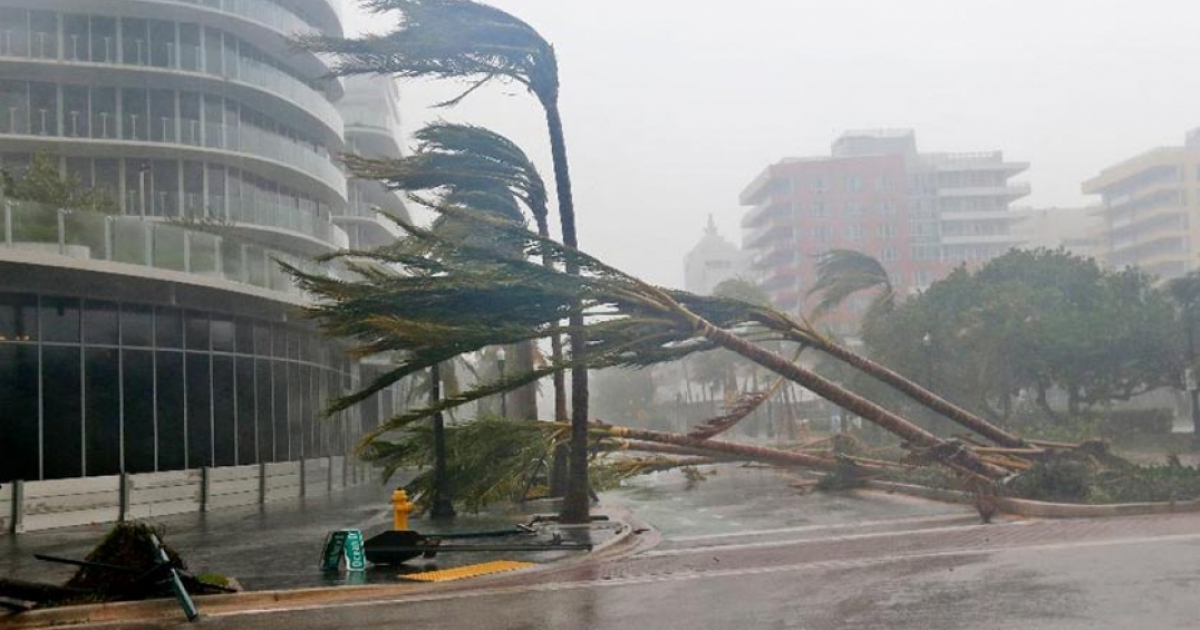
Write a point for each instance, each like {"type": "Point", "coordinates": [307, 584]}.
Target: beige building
{"type": "Point", "coordinates": [1079, 230]}
{"type": "Point", "coordinates": [1151, 210]}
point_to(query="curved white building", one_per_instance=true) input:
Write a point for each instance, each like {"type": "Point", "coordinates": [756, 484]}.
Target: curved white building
{"type": "Point", "coordinates": [165, 337]}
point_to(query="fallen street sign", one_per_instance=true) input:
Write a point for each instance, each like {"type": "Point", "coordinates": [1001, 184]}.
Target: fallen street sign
{"type": "Point", "coordinates": [344, 543]}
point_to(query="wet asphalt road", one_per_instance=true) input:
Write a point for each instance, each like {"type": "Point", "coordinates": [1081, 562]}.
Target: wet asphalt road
{"type": "Point", "coordinates": [772, 559]}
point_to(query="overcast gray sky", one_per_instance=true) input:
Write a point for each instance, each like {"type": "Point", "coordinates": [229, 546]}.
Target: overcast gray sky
{"type": "Point", "coordinates": [672, 106]}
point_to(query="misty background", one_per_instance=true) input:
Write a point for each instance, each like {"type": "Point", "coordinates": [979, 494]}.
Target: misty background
{"type": "Point", "coordinates": [672, 107]}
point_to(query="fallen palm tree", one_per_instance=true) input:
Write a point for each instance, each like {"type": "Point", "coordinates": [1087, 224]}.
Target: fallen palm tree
{"type": "Point", "coordinates": [471, 297]}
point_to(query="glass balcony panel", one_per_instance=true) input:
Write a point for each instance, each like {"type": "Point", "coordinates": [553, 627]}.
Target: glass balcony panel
{"type": "Point", "coordinates": [168, 248]}
{"type": "Point", "coordinates": [256, 264]}
{"type": "Point", "coordinates": [204, 249]}
{"type": "Point", "coordinates": [233, 265]}
{"type": "Point", "coordinates": [84, 234]}
{"type": "Point", "coordinates": [35, 223]}
{"type": "Point", "coordinates": [129, 240]}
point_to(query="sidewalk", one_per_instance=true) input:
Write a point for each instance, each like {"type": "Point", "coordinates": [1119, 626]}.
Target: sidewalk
{"type": "Point", "coordinates": [278, 545]}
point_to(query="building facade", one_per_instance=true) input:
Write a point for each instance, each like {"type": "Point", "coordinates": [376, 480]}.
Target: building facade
{"type": "Point", "coordinates": [164, 335]}
{"type": "Point", "coordinates": [919, 214]}
{"type": "Point", "coordinates": [1076, 229]}
{"type": "Point", "coordinates": [713, 260]}
{"type": "Point", "coordinates": [1150, 208]}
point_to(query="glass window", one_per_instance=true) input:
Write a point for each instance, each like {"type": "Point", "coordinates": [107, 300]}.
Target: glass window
{"type": "Point", "coordinates": [135, 119]}
{"type": "Point", "coordinates": [198, 332]}
{"type": "Point", "coordinates": [163, 47]}
{"type": "Point", "coordinates": [296, 426]}
{"type": "Point", "coordinates": [19, 422]}
{"type": "Point", "coordinates": [222, 334]}
{"type": "Point", "coordinates": [104, 39]}
{"type": "Point", "coordinates": [18, 318]}
{"type": "Point", "coordinates": [59, 318]}
{"type": "Point", "coordinates": [100, 324]}
{"type": "Point", "coordinates": [265, 433]}
{"type": "Point", "coordinates": [43, 34]}
{"type": "Point", "coordinates": [14, 32]}
{"type": "Point", "coordinates": [137, 326]}
{"type": "Point", "coordinates": [279, 390]}
{"type": "Point", "coordinates": [243, 330]}
{"type": "Point", "coordinates": [62, 408]}
{"type": "Point", "coordinates": [102, 420]}
{"type": "Point", "coordinates": [189, 46]}
{"type": "Point", "coordinates": [75, 38]}
{"type": "Point", "coordinates": [199, 409]}
{"type": "Point", "coordinates": [14, 107]}
{"type": "Point", "coordinates": [43, 109]}
{"type": "Point", "coordinates": [247, 425]}
{"type": "Point", "coordinates": [168, 328]}
{"type": "Point", "coordinates": [172, 435]}
{"type": "Point", "coordinates": [212, 51]}
{"type": "Point", "coordinates": [138, 389]}
{"type": "Point", "coordinates": [162, 116]}
{"type": "Point", "coordinates": [135, 40]}
{"type": "Point", "coordinates": [103, 115]}
{"type": "Point", "coordinates": [224, 410]}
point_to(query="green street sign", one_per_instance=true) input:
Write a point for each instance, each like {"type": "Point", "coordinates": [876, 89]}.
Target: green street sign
{"type": "Point", "coordinates": [344, 543]}
{"type": "Point", "coordinates": [356, 559]}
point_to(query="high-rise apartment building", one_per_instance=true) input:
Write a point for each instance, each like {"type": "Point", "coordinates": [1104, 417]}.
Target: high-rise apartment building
{"type": "Point", "coordinates": [1151, 209]}
{"type": "Point", "coordinates": [163, 335]}
{"type": "Point", "coordinates": [919, 214]}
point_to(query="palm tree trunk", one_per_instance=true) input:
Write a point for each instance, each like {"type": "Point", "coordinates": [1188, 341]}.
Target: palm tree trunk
{"type": "Point", "coordinates": [744, 451]}
{"type": "Point", "coordinates": [851, 402]}
{"type": "Point", "coordinates": [575, 507]}
{"type": "Point", "coordinates": [922, 396]}
{"type": "Point", "coordinates": [559, 463]}
{"type": "Point", "coordinates": [524, 399]}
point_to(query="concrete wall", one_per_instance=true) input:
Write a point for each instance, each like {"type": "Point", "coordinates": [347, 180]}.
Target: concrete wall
{"type": "Point", "coordinates": [38, 505]}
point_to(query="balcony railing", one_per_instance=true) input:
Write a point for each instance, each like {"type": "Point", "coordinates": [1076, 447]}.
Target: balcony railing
{"type": "Point", "coordinates": [146, 243]}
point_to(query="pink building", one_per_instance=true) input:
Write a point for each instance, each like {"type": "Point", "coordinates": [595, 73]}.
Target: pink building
{"type": "Point", "coordinates": [919, 214]}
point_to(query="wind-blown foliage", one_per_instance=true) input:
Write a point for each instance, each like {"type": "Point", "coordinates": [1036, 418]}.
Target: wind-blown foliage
{"type": "Point", "coordinates": [462, 39]}
{"type": "Point", "coordinates": [844, 272]}
{"type": "Point", "coordinates": [470, 297]}
{"type": "Point", "coordinates": [448, 39]}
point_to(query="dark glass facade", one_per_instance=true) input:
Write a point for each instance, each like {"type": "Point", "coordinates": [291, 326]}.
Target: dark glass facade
{"type": "Point", "coordinates": [98, 387]}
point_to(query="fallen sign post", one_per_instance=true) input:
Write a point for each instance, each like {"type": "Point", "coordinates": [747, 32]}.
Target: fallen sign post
{"type": "Point", "coordinates": [344, 544]}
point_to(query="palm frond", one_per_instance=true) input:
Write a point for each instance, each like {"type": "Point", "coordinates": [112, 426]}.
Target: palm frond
{"type": "Point", "coordinates": [844, 272]}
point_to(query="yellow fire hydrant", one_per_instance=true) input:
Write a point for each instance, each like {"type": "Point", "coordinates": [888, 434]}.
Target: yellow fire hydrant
{"type": "Point", "coordinates": [401, 508]}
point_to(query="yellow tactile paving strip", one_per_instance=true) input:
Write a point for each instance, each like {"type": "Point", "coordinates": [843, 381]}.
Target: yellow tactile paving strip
{"type": "Point", "coordinates": [468, 571]}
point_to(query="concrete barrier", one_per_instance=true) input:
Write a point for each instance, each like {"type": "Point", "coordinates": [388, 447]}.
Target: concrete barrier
{"type": "Point", "coordinates": [281, 481]}
{"type": "Point", "coordinates": [164, 494]}
{"type": "Point", "coordinates": [38, 505]}
{"type": "Point", "coordinates": [7, 509]}
{"type": "Point", "coordinates": [67, 502]}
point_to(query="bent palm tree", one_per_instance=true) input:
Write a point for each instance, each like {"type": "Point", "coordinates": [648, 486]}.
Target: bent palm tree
{"type": "Point", "coordinates": [466, 161]}
{"type": "Point", "coordinates": [462, 39]}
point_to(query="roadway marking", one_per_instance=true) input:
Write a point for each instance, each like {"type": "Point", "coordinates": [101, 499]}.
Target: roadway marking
{"type": "Point", "coordinates": [813, 541]}
{"type": "Point", "coordinates": [816, 528]}
{"type": "Point", "coordinates": [708, 574]}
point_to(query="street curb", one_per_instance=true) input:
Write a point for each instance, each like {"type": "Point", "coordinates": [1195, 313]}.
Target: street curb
{"type": "Point", "coordinates": [1040, 509]}
{"type": "Point", "coordinates": [622, 543]}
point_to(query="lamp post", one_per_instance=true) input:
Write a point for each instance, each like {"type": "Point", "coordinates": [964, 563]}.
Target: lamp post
{"type": "Point", "coordinates": [500, 356]}
{"type": "Point", "coordinates": [1190, 381]}
{"type": "Point", "coordinates": [443, 506]}
{"type": "Point", "coordinates": [927, 343]}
